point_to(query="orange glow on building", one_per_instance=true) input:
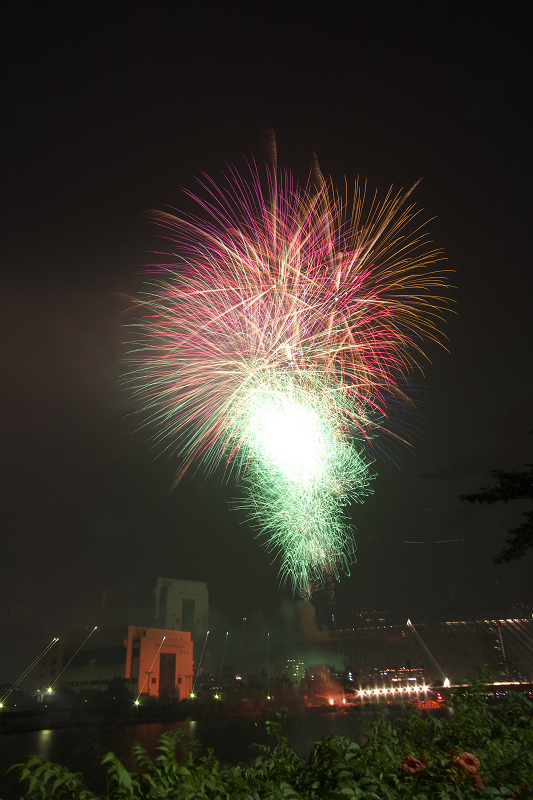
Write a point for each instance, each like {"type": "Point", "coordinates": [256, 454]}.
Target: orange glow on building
{"type": "Point", "coordinates": [150, 661]}
{"type": "Point", "coordinates": [159, 661]}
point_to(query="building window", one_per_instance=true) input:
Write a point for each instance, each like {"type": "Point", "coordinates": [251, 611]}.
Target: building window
{"type": "Point", "coordinates": [162, 605]}
{"type": "Point", "coordinates": [154, 680]}
{"type": "Point", "coordinates": [188, 615]}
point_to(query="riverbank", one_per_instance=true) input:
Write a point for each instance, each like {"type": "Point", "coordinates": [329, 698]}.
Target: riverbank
{"type": "Point", "coordinates": [46, 718]}
{"type": "Point", "coordinates": [396, 754]}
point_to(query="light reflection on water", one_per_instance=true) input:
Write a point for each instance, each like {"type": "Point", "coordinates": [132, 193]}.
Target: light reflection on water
{"type": "Point", "coordinates": [44, 743]}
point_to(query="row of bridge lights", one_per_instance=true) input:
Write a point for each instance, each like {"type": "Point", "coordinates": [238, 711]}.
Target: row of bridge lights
{"type": "Point", "coordinates": [393, 690]}
{"type": "Point", "coordinates": [367, 692]}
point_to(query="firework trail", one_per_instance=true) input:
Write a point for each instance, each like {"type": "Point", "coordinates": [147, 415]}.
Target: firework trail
{"type": "Point", "coordinates": [278, 339]}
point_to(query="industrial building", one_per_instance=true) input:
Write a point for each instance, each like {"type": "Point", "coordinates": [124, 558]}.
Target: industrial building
{"type": "Point", "coordinates": [150, 661]}
{"type": "Point", "coordinates": [155, 659]}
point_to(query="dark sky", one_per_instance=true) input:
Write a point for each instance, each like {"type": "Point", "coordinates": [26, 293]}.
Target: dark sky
{"type": "Point", "coordinates": [109, 110]}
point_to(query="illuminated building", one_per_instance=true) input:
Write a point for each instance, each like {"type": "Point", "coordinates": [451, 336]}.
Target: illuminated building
{"type": "Point", "coordinates": [395, 676]}
{"type": "Point", "coordinates": [149, 661]}
{"type": "Point", "coordinates": [364, 618]}
{"type": "Point", "coordinates": [182, 606]}
{"type": "Point", "coordinates": [455, 649]}
{"type": "Point", "coordinates": [295, 670]}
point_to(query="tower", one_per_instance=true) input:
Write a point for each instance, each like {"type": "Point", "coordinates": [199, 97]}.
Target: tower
{"type": "Point", "coordinates": [182, 605]}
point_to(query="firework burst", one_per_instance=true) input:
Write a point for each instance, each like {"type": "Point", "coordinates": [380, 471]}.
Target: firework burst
{"type": "Point", "coordinates": [278, 338]}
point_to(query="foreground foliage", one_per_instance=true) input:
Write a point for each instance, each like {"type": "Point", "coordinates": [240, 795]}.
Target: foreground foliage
{"type": "Point", "coordinates": [476, 750]}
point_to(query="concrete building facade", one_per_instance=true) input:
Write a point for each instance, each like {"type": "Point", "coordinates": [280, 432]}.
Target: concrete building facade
{"type": "Point", "coordinates": [182, 605]}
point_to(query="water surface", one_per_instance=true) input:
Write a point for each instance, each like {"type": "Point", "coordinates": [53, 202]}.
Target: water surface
{"type": "Point", "coordinates": [81, 748]}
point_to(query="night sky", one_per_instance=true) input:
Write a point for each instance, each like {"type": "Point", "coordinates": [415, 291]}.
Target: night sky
{"type": "Point", "coordinates": [109, 110]}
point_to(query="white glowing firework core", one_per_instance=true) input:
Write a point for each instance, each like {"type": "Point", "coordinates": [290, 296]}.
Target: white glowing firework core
{"type": "Point", "coordinates": [289, 435]}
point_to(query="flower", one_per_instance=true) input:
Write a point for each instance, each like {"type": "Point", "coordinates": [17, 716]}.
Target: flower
{"type": "Point", "coordinates": [412, 765]}
{"type": "Point", "coordinates": [469, 764]}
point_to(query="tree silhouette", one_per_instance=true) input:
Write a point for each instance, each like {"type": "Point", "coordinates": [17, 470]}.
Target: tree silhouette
{"type": "Point", "coordinates": [510, 486]}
